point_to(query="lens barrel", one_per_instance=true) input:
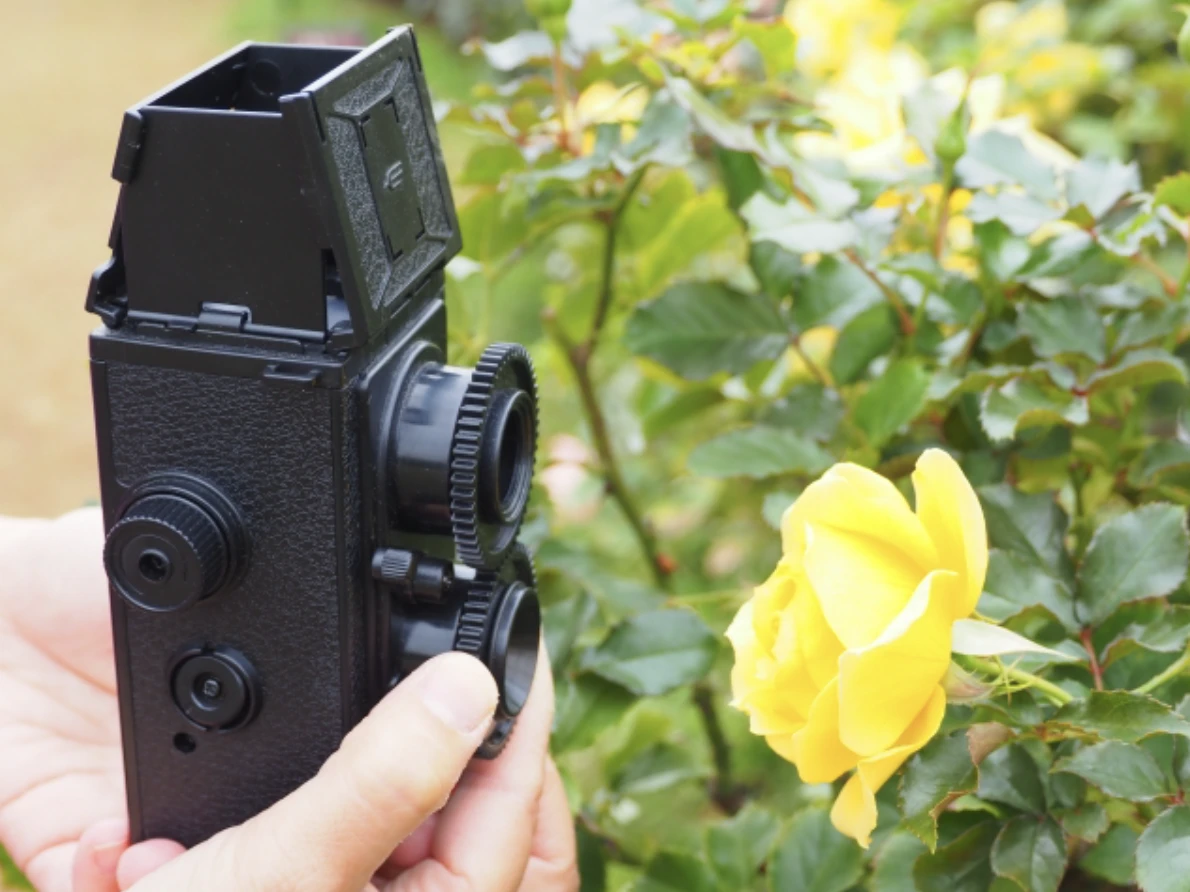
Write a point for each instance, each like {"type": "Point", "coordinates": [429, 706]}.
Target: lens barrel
{"type": "Point", "coordinates": [461, 453]}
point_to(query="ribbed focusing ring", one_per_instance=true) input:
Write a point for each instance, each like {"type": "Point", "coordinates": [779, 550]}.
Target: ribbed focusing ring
{"type": "Point", "coordinates": [492, 455]}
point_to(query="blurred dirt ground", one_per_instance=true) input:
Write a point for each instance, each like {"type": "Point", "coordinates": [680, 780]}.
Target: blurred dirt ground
{"type": "Point", "coordinates": [68, 70]}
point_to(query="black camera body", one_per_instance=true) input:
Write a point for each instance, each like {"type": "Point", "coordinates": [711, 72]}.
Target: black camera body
{"type": "Point", "coordinates": [303, 500]}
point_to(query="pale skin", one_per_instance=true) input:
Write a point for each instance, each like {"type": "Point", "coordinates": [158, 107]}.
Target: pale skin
{"type": "Point", "coordinates": [400, 807]}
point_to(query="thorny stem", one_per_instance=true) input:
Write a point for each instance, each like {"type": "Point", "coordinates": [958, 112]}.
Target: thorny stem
{"type": "Point", "coordinates": [561, 99]}
{"type": "Point", "coordinates": [1175, 669]}
{"type": "Point", "coordinates": [1184, 281]}
{"type": "Point", "coordinates": [1056, 695]}
{"type": "Point", "coordinates": [579, 357]}
{"type": "Point", "coordinates": [813, 367]}
{"type": "Point", "coordinates": [907, 326]}
{"type": "Point", "coordinates": [1089, 647]}
{"type": "Point", "coordinates": [943, 213]}
{"type": "Point", "coordinates": [724, 791]}
{"type": "Point", "coordinates": [1167, 281]}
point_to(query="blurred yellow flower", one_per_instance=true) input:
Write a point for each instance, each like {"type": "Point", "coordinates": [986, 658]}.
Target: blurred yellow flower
{"type": "Point", "coordinates": [1030, 43]}
{"type": "Point", "coordinates": [832, 34]}
{"type": "Point", "coordinates": [605, 103]}
{"type": "Point", "coordinates": [815, 345]}
{"type": "Point", "coordinates": [841, 653]}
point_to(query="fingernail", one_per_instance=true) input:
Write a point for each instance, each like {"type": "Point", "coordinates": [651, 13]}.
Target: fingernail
{"type": "Point", "coordinates": [448, 686]}
{"type": "Point", "coordinates": [107, 842]}
{"type": "Point", "coordinates": [107, 856]}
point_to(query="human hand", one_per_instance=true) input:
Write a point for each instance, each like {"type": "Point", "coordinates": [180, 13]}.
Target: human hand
{"type": "Point", "coordinates": [371, 816]}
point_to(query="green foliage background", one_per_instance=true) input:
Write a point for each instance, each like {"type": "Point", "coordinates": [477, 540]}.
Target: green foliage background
{"type": "Point", "coordinates": [740, 251]}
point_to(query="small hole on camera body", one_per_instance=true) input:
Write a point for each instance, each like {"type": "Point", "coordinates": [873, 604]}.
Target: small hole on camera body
{"type": "Point", "coordinates": [184, 743]}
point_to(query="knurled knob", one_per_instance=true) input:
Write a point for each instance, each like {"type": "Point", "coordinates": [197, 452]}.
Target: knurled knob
{"type": "Point", "coordinates": [166, 553]}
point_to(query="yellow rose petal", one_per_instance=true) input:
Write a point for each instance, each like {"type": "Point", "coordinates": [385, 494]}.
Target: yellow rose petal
{"type": "Point", "coordinates": [857, 500]}
{"type": "Point", "coordinates": [817, 643]}
{"type": "Point", "coordinates": [861, 583]}
{"type": "Point", "coordinates": [819, 755]}
{"type": "Point", "coordinates": [951, 513]}
{"type": "Point", "coordinates": [775, 695]}
{"type": "Point", "coordinates": [854, 811]}
{"type": "Point", "coordinates": [882, 687]}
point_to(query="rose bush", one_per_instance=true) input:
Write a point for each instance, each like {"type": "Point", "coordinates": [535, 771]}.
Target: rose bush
{"type": "Point", "coordinates": [748, 241]}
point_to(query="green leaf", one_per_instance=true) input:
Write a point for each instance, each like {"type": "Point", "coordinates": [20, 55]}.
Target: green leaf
{"type": "Point", "coordinates": [933, 778]}
{"type": "Point", "coordinates": [776, 269]}
{"type": "Point", "coordinates": [892, 401]}
{"type": "Point", "coordinates": [519, 50]}
{"type": "Point", "coordinates": [1174, 192]}
{"type": "Point", "coordinates": [1087, 822]}
{"type": "Point", "coordinates": [1063, 326]}
{"type": "Point", "coordinates": [1002, 253]}
{"type": "Point", "coordinates": [796, 227]}
{"type": "Point", "coordinates": [1119, 769]}
{"type": "Point", "coordinates": [1029, 525]}
{"type": "Point", "coordinates": [1061, 255]}
{"type": "Point", "coordinates": [737, 847]}
{"type": "Point", "coordinates": [1099, 184]}
{"type": "Point", "coordinates": [657, 768]}
{"type": "Point", "coordinates": [812, 410]}
{"type": "Point", "coordinates": [1113, 857]}
{"type": "Point", "coordinates": [1141, 554]}
{"type": "Point", "coordinates": [701, 329]}
{"type": "Point", "coordinates": [994, 158]}
{"type": "Point", "coordinates": [1163, 853]}
{"type": "Point", "coordinates": [655, 652]}
{"type": "Point", "coordinates": [1166, 633]}
{"type": "Point", "coordinates": [1141, 328]}
{"type": "Point", "coordinates": [834, 293]}
{"type": "Point", "coordinates": [712, 120]}
{"type": "Point", "coordinates": [870, 334]}
{"type": "Point", "coordinates": [758, 452]}
{"type": "Point", "coordinates": [1020, 213]}
{"type": "Point", "coordinates": [1120, 715]}
{"type": "Point", "coordinates": [592, 860]}
{"type": "Point", "coordinates": [1022, 403]}
{"type": "Point", "coordinates": [675, 872]}
{"type": "Point", "coordinates": [1011, 776]}
{"type": "Point", "coordinates": [1138, 369]}
{"type": "Point", "coordinates": [563, 622]}
{"type": "Point", "coordinates": [1162, 456]}
{"type": "Point", "coordinates": [489, 163]}
{"type": "Point", "coordinates": [812, 856]}
{"type": "Point", "coordinates": [1031, 853]}
{"type": "Point", "coordinates": [585, 707]}
{"type": "Point", "coordinates": [894, 863]}
{"type": "Point", "coordinates": [1015, 584]}
{"type": "Point", "coordinates": [961, 866]}
{"type": "Point", "coordinates": [774, 41]}
{"type": "Point", "coordinates": [699, 227]}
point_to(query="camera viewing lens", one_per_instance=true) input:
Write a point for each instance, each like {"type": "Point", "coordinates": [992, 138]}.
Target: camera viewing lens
{"type": "Point", "coordinates": [460, 452]}
{"type": "Point", "coordinates": [506, 463]}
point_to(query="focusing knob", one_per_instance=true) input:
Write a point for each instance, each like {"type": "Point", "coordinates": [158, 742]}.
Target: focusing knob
{"type": "Point", "coordinates": [491, 456]}
{"type": "Point", "coordinates": [500, 624]}
{"type": "Point", "coordinates": [166, 553]}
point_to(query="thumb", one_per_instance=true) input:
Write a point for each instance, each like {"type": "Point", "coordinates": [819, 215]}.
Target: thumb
{"type": "Point", "coordinates": [394, 770]}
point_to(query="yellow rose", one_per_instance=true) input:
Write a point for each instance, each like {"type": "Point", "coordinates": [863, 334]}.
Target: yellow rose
{"type": "Point", "coordinates": [841, 653]}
